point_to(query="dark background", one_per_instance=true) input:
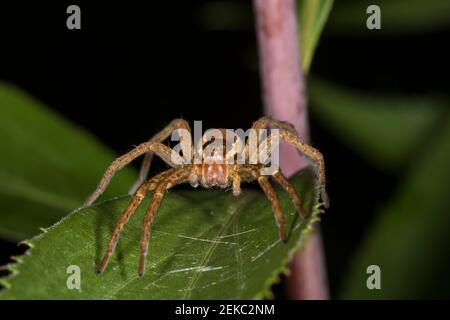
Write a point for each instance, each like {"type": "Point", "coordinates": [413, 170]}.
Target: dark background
{"type": "Point", "coordinates": [134, 67]}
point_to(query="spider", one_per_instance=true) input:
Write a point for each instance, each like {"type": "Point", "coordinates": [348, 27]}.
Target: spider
{"type": "Point", "coordinates": [212, 171]}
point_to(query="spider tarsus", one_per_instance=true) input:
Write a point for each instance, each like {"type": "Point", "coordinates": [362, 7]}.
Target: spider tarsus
{"type": "Point", "coordinates": [303, 213]}
{"type": "Point", "coordinates": [89, 201]}
{"type": "Point", "coordinates": [141, 270]}
{"type": "Point", "coordinates": [100, 269]}
{"type": "Point", "coordinates": [103, 264]}
{"type": "Point", "coordinates": [135, 187]}
{"type": "Point", "coordinates": [283, 235]}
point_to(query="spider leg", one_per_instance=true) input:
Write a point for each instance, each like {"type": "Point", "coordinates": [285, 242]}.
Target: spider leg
{"type": "Point", "coordinates": [129, 211]}
{"type": "Point", "coordinates": [159, 137]}
{"type": "Point", "coordinates": [242, 173]}
{"type": "Point", "coordinates": [266, 122]}
{"type": "Point", "coordinates": [315, 156]}
{"type": "Point", "coordinates": [272, 196]}
{"type": "Point", "coordinates": [236, 185]}
{"type": "Point", "coordinates": [161, 150]}
{"type": "Point", "coordinates": [175, 177]}
{"type": "Point", "coordinates": [287, 133]}
{"type": "Point", "coordinates": [287, 186]}
{"type": "Point", "coordinates": [137, 199]}
{"type": "Point", "coordinates": [154, 181]}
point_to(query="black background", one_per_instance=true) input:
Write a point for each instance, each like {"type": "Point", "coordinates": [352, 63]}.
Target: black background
{"type": "Point", "coordinates": [133, 67]}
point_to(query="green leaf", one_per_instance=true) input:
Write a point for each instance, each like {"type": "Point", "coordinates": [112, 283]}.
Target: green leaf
{"type": "Point", "coordinates": [385, 130]}
{"type": "Point", "coordinates": [205, 244]}
{"type": "Point", "coordinates": [409, 240]}
{"type": "Point", "coordinates": [397, 16]}
{"type": "Point", "coordinates": [47, 165]}
{"type": "Point", "coordinates": [312, 16]}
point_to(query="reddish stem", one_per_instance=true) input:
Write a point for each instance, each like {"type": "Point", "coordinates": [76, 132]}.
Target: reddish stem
{"type": "Point", "coordinates": [284, 99]}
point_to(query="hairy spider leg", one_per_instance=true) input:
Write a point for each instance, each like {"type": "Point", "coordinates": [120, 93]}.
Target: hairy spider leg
{"type": "Point", "coordinates": [272, 196]}
{"type": "Point", "coordinates": [161, 150]}
{"type": "Point", "coordinates": [288, 134]}
{"type": "Point", "coordinates": [289, 188]}
{"type": "Point", "coordinates": [129, 211]}
{"type": "Point", "coordinates": [315, 156]}
{"type": "Point", "coordinates": [160, 137]}
{"type": "Point", "coordinates": [175, 177]}
{"type": "Point", "coordinates": [265, 123]}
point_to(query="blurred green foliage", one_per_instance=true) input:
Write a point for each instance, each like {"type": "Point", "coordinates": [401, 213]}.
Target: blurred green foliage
{"type": "Point", "coordinates": [386, 130]}
{"type": "Point", "coordinates": [409, 136]}
{"type": "Point", "coordinates": [47, 165]}
{"type": "Point", "coordinates": [397, 16]}
{"type": "Point", "coordinates": [405, 135]}
{"type": "Point", "coordinates": [312, 16]}
{"type": "Point", "coordinates": [409, 239]}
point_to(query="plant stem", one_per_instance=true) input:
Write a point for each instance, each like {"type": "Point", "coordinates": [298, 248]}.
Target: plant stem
{"type": "Point", "coordinates": [284, 98]}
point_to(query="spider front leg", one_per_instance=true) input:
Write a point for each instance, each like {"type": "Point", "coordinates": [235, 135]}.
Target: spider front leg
{"type": "Point", "coordinates": [315, 156]}
{"type": "Point", "coordinates": [162, 150]}
{"type": "Point", "coordinates": [157, 138]}
{"type": "Point", "coordinates": [129, 211]}
{"type": "Point", "coordinates": [288, 134]}
{"type": "Point", "coordinates": [175, 177]}
{"type": "Point", "coordinates": [266, 122]}
{"type": "Point", "coordinates": [272, 196]}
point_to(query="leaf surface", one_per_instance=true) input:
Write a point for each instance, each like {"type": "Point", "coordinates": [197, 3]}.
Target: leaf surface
{"type": "Point", "coordinates": [205, 244]}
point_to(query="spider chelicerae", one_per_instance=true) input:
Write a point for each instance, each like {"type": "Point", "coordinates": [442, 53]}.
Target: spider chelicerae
{"type": "Point", "coordinates": [218, 168]}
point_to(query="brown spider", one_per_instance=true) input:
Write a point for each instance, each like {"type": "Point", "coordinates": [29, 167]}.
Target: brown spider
{"type": "Point", "coordinates": [210, 171]}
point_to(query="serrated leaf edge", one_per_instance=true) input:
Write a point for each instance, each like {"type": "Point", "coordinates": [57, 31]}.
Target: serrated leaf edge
{"type": "Point", "coordinates": [14, 265]}
{"type": "Point", "coordinates": [266, 292]}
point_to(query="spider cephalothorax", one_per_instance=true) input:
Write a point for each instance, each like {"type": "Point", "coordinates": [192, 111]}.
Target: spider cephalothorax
{"type": "Point", "coordinates": [210, 164]}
